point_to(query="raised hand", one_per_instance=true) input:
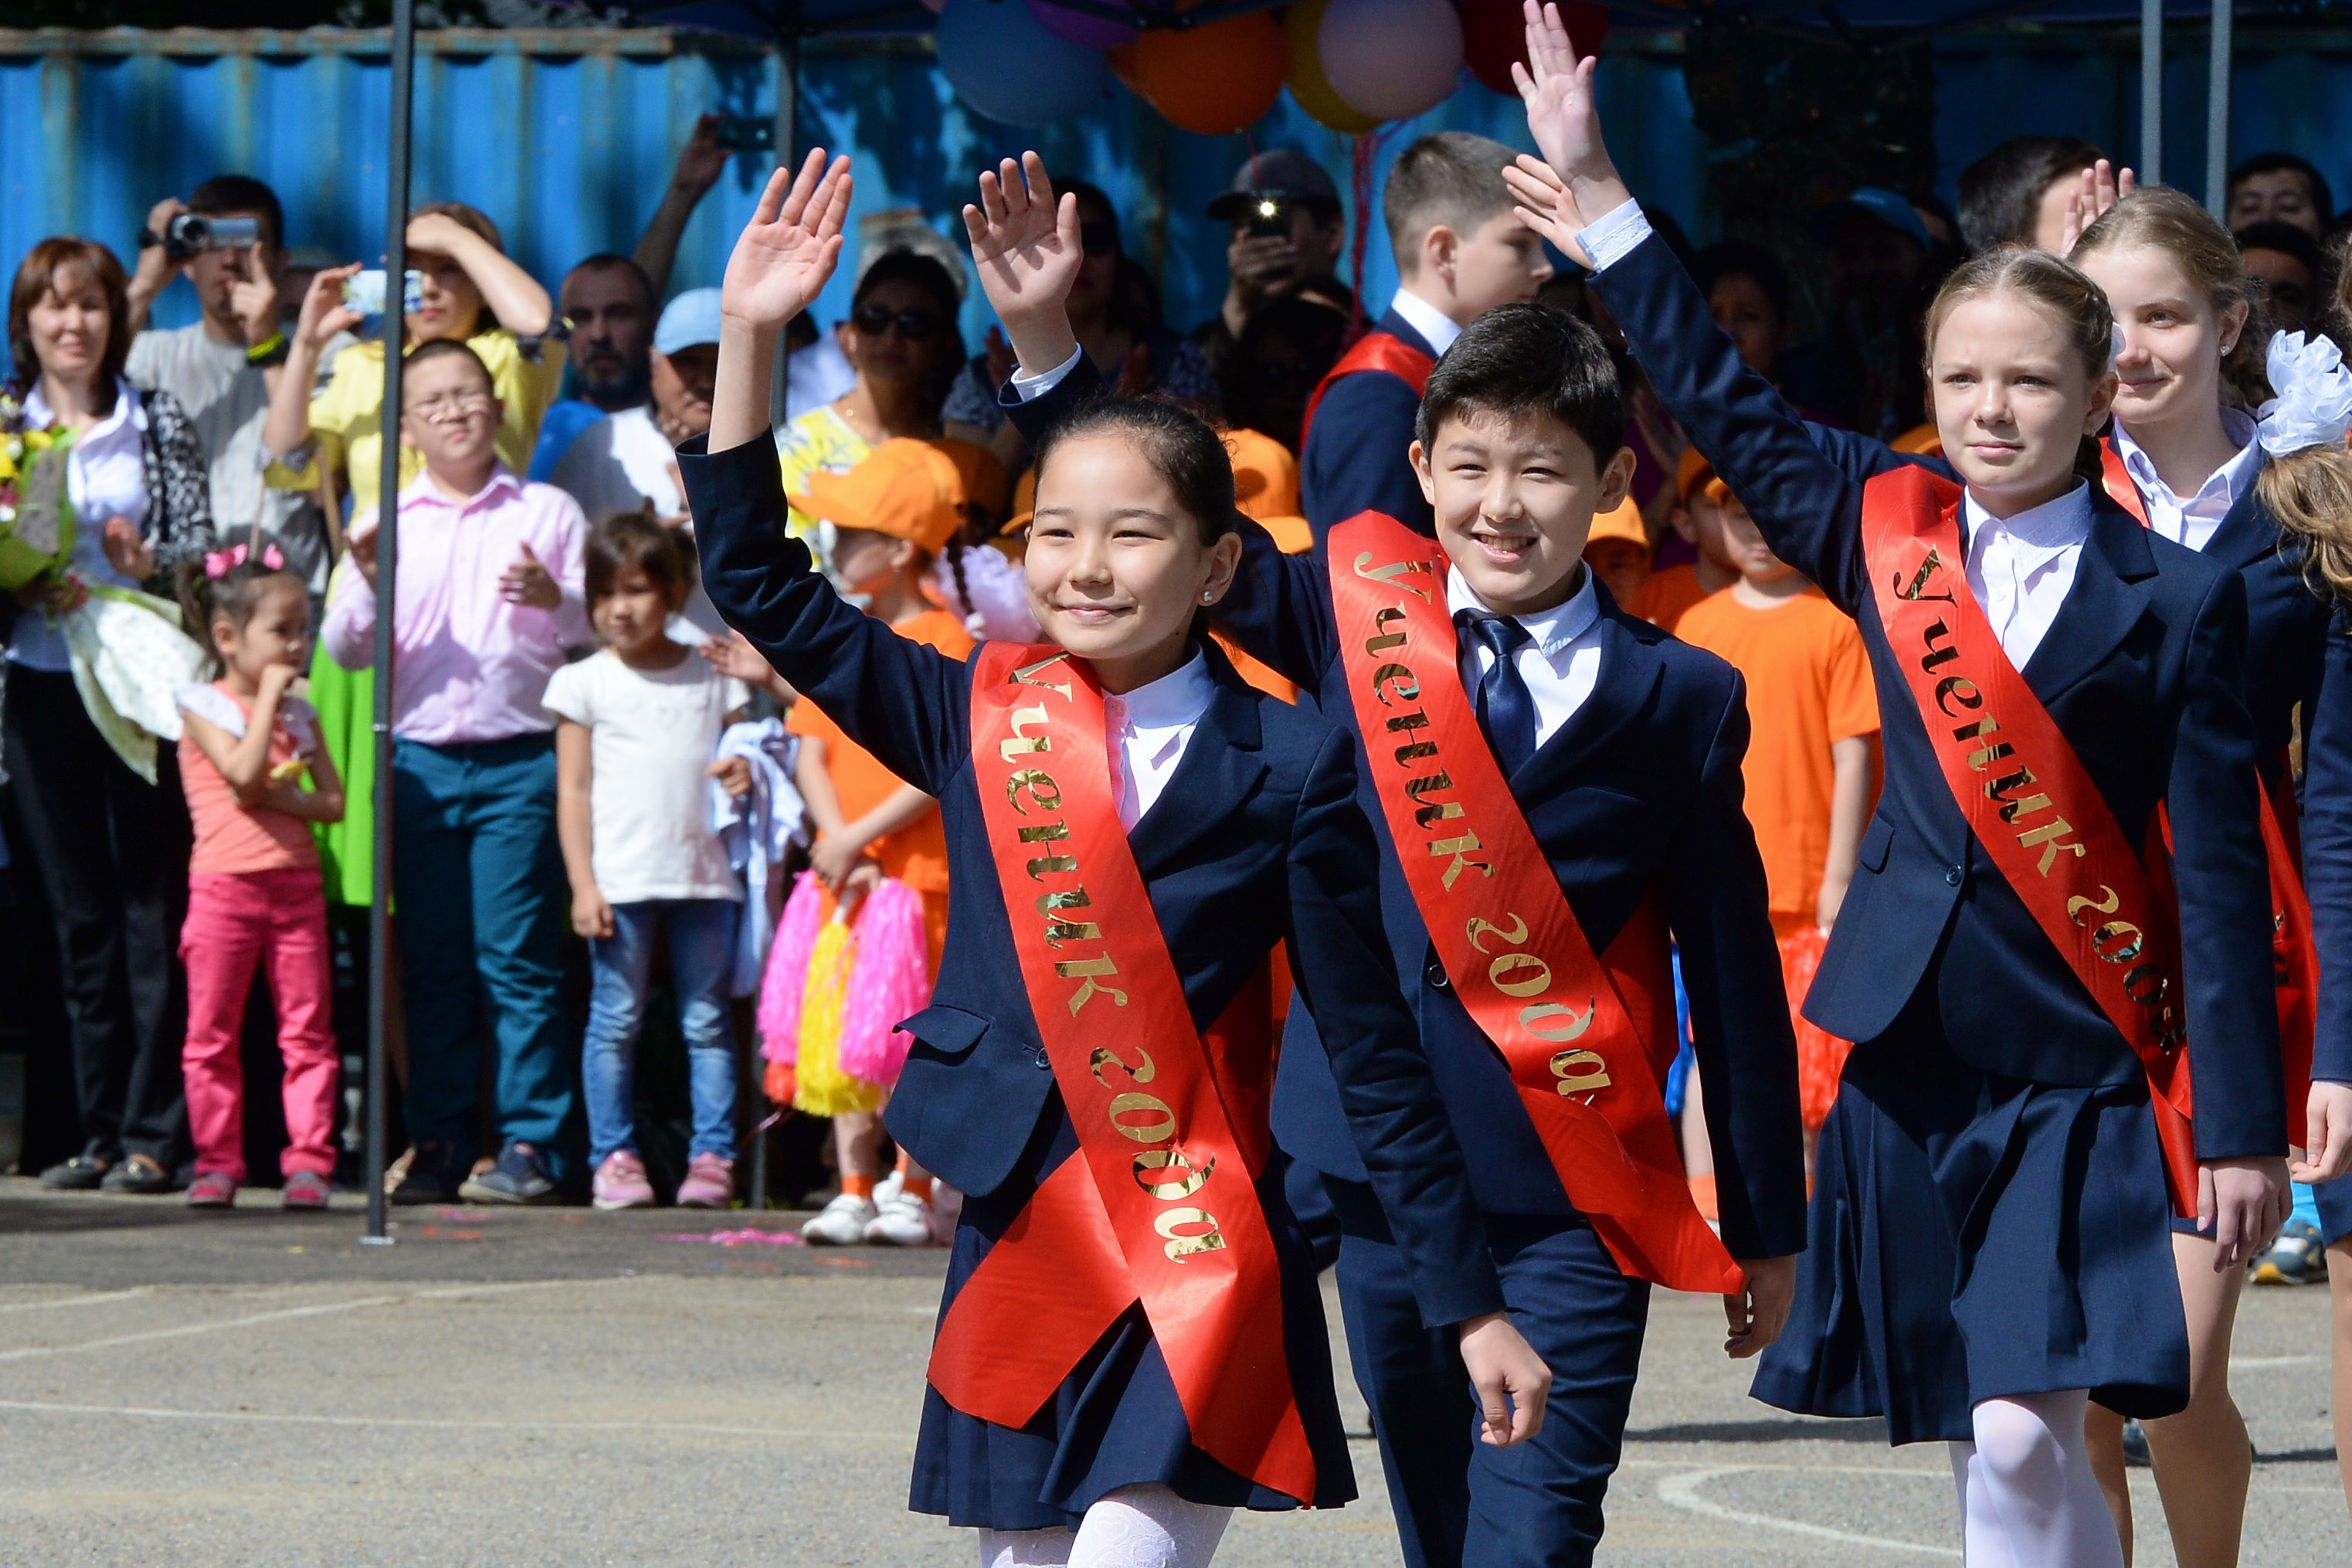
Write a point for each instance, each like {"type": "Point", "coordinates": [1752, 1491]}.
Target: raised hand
{"type": "Point", "coordinates": [1557, 88]}
{"type": "Point", "coordinates": [2102, 187]}
{"type": "Point", "coordinates": [1024, 246]}
{"type": "Point", "coordinates": [324, 311]}
{"type": "Point", "coordinates": [253, 297]}
{"type": "Point", "coordinates": [786, 253]}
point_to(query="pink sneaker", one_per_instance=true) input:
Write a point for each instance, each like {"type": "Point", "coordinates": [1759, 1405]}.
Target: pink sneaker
{"type": "Point", "coordinates": [709, 1184]}
{"type": "Point", "coordinates": [213, 1190]}
{"type": "Point", "coordinates": [621, 1181]}
{"type": "Point", "coordinates": [304, 1190]}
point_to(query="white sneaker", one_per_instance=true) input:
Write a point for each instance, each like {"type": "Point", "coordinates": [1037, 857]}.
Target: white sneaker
{"type": "Point", "coordinates": [842, 1223]}
{"type": "Point", "coordinates": [888, 1187]}
{"type": "Point", "coordinates": [903, 1220]}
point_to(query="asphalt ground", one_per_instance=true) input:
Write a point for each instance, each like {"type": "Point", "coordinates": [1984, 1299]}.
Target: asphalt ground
{"type": "Point", "coordinates": [557, 1385]}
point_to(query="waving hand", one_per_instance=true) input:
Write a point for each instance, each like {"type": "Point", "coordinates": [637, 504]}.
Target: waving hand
{"type": "Point", "coordinates": [788, 250]}
{"type": "Point", "coordinates": [1025, 245]}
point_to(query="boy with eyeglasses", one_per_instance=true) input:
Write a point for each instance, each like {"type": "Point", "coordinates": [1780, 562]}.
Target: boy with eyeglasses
{"type": "Point", "coordinates": [490, 593]}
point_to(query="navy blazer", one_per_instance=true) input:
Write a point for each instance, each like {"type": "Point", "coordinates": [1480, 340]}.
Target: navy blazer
{"type": "Point", "coordinates": [2143, 671]}
{"type": "Point", "coordinates": [1355, 458]}
{"type": "Point", "coordinates": [1641, 790]}
{"type": "Point", "coordinates": [2327, 850]}
{"type": "Point", "coordinates": [1256, 839]}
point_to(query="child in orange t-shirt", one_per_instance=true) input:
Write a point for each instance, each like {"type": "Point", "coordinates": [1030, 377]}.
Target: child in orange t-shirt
{"type": "Point", "coordinates": [1697, 516]}
{"type": "Point", "coordinates": [1810, 768]}
{"type": "Point", "coordinates": [891, 515]}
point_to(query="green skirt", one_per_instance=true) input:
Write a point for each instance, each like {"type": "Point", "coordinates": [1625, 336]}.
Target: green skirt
{"type": "Point", "coordinates": [346, 703]}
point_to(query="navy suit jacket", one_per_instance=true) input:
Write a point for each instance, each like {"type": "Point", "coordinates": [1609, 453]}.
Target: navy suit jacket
{"type": "Point", "coordinates": [1355, 458]}
{"type": "Point", "coordinates": [1640, 790]}
{"type": "Point", "coordinates": [1256, 839]}
{"type": "Point", "coordinates": [2144, 672]}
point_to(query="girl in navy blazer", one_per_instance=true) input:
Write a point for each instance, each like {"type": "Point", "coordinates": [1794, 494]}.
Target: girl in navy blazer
{"type": "Point", "coordinates": [1240, 815]}
{"type": "Point", "coordinates": [2190, 335]}
{"type": "Point", "coordinates": [1989, 1240]}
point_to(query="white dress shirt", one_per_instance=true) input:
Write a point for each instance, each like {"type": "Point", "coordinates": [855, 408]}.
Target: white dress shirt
{"type": "Point", "coordinates": [1149, 729]}
{"type": "Point", "coordinates": [2020, 568]}
{"type": "Point", "coordinates": [106, 477]}
{"type": "Point", "coordinates": [1435, 325]}
{"type": "Point", "coordinates": [1560, 660]}
{"type": "Point", "coordinates": [2194, 520]}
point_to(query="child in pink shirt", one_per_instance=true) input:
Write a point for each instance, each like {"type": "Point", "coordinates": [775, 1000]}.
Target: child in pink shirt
{"type": "Point", "coordinates": [254, 891]}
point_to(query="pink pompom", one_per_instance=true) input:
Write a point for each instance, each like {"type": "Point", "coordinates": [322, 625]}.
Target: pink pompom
{"type": "Point", "coordinates": [891, 981]}
{"type": "Point", "coordinates": [788, 959]}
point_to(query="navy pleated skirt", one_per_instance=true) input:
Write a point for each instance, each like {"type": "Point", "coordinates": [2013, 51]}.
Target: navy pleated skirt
{"type": "Point", "coordinates": [1116, 1420]}
{"type": "Point", "coordinates": [2335, 1201]}
{"type": "Point", "coordinates": [1973, 1236]}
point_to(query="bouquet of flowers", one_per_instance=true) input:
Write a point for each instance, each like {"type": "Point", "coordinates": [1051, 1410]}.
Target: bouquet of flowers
{"type": "Point", "coordinates": [35, 517]}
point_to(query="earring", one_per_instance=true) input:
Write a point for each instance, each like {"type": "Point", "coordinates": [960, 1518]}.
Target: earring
{"type": "Point", "coordinates": [1207, 598]}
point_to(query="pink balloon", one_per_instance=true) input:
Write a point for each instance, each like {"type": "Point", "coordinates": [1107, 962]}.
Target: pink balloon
{"type": "Point", "coordinates": [1077, 26]}
{"type": "Point", "coordinates": [1391, 59]}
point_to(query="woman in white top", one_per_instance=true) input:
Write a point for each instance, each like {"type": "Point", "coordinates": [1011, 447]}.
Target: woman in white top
{"type": "Point", "coordinates": [111, 849]}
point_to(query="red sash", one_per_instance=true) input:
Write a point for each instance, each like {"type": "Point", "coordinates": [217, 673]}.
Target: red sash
{"type": "Point", "coordinates": [2027, 797]}
{"type": "Point", "coordinates": [1374, 350]}
{"type": "Point", "coordinates": [2295, 952]}
{"type": "Point", "coordinates": [1501, 926]}
{"type": "Point", "coordinates": [1158, 1204]}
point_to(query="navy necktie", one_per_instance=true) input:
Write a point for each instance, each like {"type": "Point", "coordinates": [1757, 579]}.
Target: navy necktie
{"type": "Point", "coordinates": [1506, 712]}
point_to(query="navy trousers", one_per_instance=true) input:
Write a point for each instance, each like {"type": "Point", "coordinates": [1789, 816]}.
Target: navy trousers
{"type": "Point", "coordinates": [479, 884]}
{"type": "Point", "coordinates": [1456, 1499]}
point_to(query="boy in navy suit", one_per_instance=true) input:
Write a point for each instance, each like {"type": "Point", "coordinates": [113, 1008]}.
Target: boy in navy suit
{"type": "Point", "coordinates": [1558, 789]}
{"type": "Point", "coordinates": [1460, 251]}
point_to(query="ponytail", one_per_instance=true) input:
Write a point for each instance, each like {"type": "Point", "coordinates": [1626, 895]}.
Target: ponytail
{"type": "Point", "coordinates": [2308, 481]}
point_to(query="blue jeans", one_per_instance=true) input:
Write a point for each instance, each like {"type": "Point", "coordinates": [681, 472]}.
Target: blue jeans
{"type": "Point", "coordinates": [701, 952]}
{"type": "Point", "coordinates": [479, 885]}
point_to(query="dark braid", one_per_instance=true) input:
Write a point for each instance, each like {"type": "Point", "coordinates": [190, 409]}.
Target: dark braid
{"type": "Point", "coordinates": [955, 548]}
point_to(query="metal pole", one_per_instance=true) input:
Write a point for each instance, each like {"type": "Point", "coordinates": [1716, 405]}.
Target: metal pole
{"type": "Point", "coordinates": [2151, 91]}
{"type": "Point", "coordinates": [387, 566]}
{"type": "Point", "coordinates": [788, 102]}
{"type": "Point", "coordinates": [2217, 114]}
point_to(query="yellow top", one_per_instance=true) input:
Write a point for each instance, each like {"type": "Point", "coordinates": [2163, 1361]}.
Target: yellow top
{"type": "Point", "coordinates": [346, 417]}
{"type": "Point", "coordinates": [817, 442]}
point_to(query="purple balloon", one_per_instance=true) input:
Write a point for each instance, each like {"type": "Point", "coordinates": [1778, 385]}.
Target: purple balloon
{"type": "Point", "coordinates": [1081, 26]}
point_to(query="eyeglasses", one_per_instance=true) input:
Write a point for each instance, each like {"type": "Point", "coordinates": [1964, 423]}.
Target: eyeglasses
{"type": "Point", "coordinates": [444, 408]}
{"type": "Point", "coordinates": [874, 321]}
{"type": "Point", "coordinates": [1098, 238]}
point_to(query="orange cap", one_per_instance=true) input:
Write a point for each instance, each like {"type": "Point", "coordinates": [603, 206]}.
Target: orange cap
{"type": "Point", "coordinates": [1920, 439]}
{"type": "Point", "coordinates": [906, 489]}
{"type": "Point", "coordinates": [981, 471]}
{"type": "Point", "coordinates": [1694, 471]}
{"type": "Point", "coordinates": [1624, 522]}
{"type": "Point", "coordinates": [1265, 476]}
{"type": "Point", "coordinates": [1024, 502]}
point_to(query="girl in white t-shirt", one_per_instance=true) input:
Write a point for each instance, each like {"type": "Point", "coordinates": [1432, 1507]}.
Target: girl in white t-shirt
{"type": "Point", "coordinates": [637, 726]}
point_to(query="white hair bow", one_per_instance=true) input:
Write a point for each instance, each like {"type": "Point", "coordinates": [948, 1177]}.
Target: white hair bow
{"type": "Point", "coordinates": [2314, 406]}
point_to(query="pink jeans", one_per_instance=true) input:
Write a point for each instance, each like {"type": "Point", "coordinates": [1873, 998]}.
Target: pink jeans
{"type": "Point", "coordinates": [277, 918]}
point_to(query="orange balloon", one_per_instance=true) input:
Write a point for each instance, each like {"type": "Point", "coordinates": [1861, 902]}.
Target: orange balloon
{"type": "Point", "coordinates": [1214, 80]}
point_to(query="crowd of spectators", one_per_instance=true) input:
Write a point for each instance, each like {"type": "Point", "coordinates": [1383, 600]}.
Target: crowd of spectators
{"type": "Point", "coordinates": [537, 426]}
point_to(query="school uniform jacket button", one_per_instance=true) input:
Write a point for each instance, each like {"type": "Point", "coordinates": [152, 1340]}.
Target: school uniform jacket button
{"type": "Point", "coordinates": [1435, 977]}
{"type": "Point", "coordinates": [1953, 875]}
{"type": "Point", "coordinates": [1043, 1061]}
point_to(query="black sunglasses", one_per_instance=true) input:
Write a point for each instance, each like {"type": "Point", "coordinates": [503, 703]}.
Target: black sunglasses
{"type": "Point", "coordinates": [874, 321]}
{"type": "Point", "coordinates": [1098, 238]}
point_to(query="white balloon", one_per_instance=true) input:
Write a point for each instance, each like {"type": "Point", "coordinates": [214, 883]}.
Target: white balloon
{"type": "Point", "coordinates": [1391, 59]}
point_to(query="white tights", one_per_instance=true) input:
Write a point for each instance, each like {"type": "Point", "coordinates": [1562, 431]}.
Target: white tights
{"type": "Point", "coordinates": [2027, 1499]}
{"type": "Point", "coordinates": [1133, 1527]}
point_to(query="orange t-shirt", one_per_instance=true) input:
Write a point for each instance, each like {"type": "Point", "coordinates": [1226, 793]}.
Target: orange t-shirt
{"type": "Point", "coordinates": [1668, 595]}
{"type": "Point", "coordinates": [232, 839]}
{"type": "Point", "coordinates": [917, 854]}
{"type": "Point", "coordinates": [1808, 685]}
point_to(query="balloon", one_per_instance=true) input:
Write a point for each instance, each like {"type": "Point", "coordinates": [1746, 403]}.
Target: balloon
{"type": "Point", "coordinates": [1308, 84]}
{"type": "Point", "coordinates": [1082, 28]}
{"type": "Point", "coordinates": [1005, 66]}
{"type": "Point", "coordinates": [1390, 58]}
{"type": "Point", "coordinates": [1214, 80]}
{"type": "Point", "coordinates": [1495, 36]}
